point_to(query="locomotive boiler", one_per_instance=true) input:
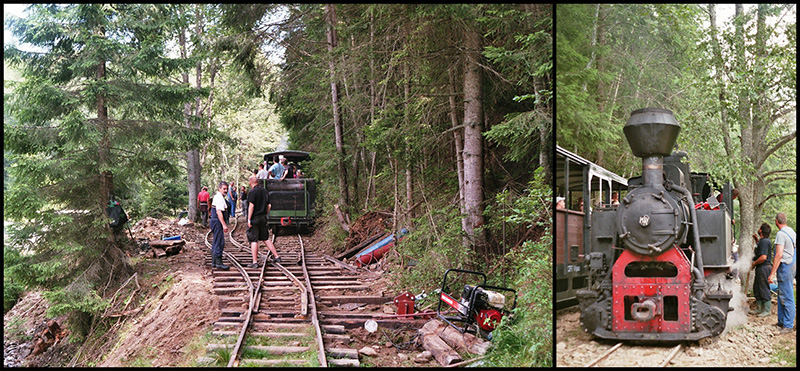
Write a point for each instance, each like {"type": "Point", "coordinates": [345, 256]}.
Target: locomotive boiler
{"type": "Point", "coordinates": [657, 266]}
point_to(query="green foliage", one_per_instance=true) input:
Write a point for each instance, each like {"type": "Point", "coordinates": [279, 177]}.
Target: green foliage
{"type": "Point", "coordinates": [526, 341]}
{"type": "Point", "coordinates": [613, 59]}
{"type": "Point", "coordinates": [12, 288]}
{"type": "Point", "coordinates": [62, 154]}
{"type": "Point", "coordinates": [435, 248]}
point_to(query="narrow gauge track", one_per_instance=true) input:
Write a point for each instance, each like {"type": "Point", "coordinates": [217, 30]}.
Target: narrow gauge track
{"type": "Point", "coordinates": [624, 352]}
{"type": "Point", "coordinates": [290, 314]}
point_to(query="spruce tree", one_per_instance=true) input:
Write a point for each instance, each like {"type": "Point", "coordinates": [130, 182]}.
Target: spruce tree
{"type": "Point", "coordinates": [93, 114]}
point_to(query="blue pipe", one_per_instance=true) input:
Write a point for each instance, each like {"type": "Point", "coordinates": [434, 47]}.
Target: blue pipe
{"type": "Point", "coordinates": [382, 243]}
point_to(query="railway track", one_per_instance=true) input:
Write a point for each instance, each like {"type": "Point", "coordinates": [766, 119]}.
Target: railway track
{"type": "Point", "coordinates": [288, 314]}
{"type": "Point", "coordinates": [624, 355]}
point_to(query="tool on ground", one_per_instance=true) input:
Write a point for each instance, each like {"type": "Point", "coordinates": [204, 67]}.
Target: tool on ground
{"type": "Point", "coordinates": [481, 307]}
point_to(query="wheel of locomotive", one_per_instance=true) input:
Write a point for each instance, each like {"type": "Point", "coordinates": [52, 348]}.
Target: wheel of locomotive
{"type": "Point", "coordinates": [710, 318]}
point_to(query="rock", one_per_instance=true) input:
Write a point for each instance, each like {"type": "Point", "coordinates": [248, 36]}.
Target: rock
{"type": "Point", "coordinates": [764, 360]}
{"type": "Point", "coordinates": [561, 347]}
{"type": "Point", "coordinates": [368, 351]}
{"type": "Point", "coordinates": [423, 357]}
{"type": "Point", "coordinates": [402, 356]}
{"type": "Point", "coordinates": [388, 309]}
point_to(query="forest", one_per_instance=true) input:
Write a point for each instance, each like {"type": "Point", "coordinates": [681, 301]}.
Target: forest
{"type": "Point", "coordinates": [727, 72]}
{"type": "Point", "coordinates": [438, 114]}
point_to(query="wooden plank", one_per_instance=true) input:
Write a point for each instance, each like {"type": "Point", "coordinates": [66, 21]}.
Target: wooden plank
{"type": "Point", "coordinates": [340, 287]}
{"type": "Point", "coordinates": [341, 264]}
{"type": "Point", "coordinates": [276, 362]}
{"type": "Point", "coordinates": [263, 333]}
{"type": "Point", "coordinates": [342, 353]}
{"type": "Point", "coordinates": [369, 299]}
{"type": "Point", "coordinates": [359, 322]}
{"type": "Point", "coordinates": [336, 337]}
{"type": "Point", "coordinates": [271, 349]}
{"type": "Point", "coordinates": [333, 329]}
{"type": "Point", "coordinates": [344, 362]}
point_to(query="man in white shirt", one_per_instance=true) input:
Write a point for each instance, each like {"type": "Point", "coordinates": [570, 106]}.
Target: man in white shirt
{"type": "Point", "coordinates": [262, 173]}
{"type": "Point", "coordinates": [782, 272]}
{"type": "Point", "coordinates": [218, 226]}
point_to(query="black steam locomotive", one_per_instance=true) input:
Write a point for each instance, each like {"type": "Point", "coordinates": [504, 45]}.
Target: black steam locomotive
{"type": "Point", "coordinates": [657, 265]}
{"type": "Point", "coordinates": [293, 199]}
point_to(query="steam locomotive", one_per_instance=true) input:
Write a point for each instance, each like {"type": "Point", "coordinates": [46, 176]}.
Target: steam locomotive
{"type": "Point", "coordinates": [293, 199]}
{"type": "Point", "coordinates": [656, 265]}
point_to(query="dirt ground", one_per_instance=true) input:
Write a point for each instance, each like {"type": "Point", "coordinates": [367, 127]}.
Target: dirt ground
{"type": "Point", "coordinates": [175, 308]}
{"type": "Point", "coordinates": [754, 343]}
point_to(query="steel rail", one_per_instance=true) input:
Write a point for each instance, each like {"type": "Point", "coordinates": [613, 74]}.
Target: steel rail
{"type": "Point", "coordinates": [613, 349]}
{"type": "Point", "coordinates": [671, 355]}
{"type": "Point", "coordinates": [323, 362]}
{"type": "Point", "coordinates": [286, 272]}
{"type": "Point", "coordinates": [234, 359]}
{"type": "Point", "coordinates": [604, 355]}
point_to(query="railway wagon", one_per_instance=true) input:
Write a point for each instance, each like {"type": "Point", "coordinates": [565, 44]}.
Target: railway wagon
{"type": "Point", "coordinates": [659, 262]}
{"type": "Point", "coordinates": [577, 179]}
{"type": "Point", "coordinates": [293, 199]}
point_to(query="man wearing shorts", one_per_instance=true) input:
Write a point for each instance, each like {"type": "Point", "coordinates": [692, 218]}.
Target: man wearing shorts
{"type": "Point", "coordinates": [257, 210]}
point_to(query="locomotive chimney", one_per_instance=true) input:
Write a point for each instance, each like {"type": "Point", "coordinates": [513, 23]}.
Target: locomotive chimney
{"type": "Point", "coordinates": [652, 133]}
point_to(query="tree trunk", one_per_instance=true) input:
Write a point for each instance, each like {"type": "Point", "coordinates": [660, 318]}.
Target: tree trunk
{"type": "Point", "coordinates": [193, 155]}
{"type": "Point", "coordinates": [459, 149]}
{"type": "Point", "coordinates": [408, 162]}
{"type": "Point", "coordinates": [372, 99]}
{"type": "Point", "coordinates": [330, 10]}
{"type": "Point", "coordinates": [104, 149]}
{"type": "Point", "coordinates": [473, 139]}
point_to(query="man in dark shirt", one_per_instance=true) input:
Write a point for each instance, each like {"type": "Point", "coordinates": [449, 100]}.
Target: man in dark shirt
{"type": "Point", "coordinates": [762, 262]}
{"type": "Point", "coordinates": [257, 210]}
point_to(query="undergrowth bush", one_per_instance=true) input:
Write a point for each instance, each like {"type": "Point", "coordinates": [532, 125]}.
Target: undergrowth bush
{"type": "Point", "coordinates": [527, 340]}
{"type": "Point", "coordinates": [12, 289]}
{"type": "Point", "coordinates": [435, 247]}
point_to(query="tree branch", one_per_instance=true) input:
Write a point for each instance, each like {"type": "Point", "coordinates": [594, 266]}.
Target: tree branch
{"type": "Point", "coordinates": [782, 113]}
{"type": "Point", "coordinates": [761, 204]}
{"type": "Point", "coordinates": [780, 143]}
{"type": "Point", "coordinates": [779, 171]}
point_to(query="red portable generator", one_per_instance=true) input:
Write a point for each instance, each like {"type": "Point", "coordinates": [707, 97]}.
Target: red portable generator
{"type": "Point", "coordinates": [481, 307]}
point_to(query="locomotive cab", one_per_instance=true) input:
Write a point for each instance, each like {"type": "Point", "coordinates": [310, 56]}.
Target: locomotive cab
{"type": "Point", "coordinates": [650, 256]}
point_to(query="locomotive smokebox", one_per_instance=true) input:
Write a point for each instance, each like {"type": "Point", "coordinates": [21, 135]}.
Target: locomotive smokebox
{"type": "Point", "coordinates": [651, 132]}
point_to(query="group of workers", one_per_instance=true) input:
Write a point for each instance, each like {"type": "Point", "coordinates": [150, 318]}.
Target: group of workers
{"type": "Point", "coordinates": [257, 209]}
{"type": "Point", "coordinates": [280, 170]}
{"type": "Point", "coordinates": [255, 205]}
{"type": "Point", "coordinates": [775, 267]}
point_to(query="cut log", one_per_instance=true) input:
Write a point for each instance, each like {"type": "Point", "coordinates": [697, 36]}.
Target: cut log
{"type": "Point", "coordinates": [174, 249]}
{"type": "Point", "coordinates": [351, 251]}
{"type": "Point", "coordinates": [442, 352]}
{"type": "Point", "coordinates": [158, 252]}
{"type": "Point", "coordinates": [165, 243]}
{"type": "Point", "coordinates": [462, 342]}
